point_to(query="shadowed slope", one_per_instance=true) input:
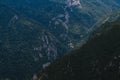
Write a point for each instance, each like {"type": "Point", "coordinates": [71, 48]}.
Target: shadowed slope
{"type": "Point", "coordinates": [98, 59]}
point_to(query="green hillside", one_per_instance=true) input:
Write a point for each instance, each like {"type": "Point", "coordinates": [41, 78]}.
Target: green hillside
{"type": "Point", "coordinates": [98, 59]}
{"type": "Point", "coordinates": [24, 45]}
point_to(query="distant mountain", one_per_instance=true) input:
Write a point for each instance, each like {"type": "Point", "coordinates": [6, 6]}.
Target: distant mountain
{"type": "Point", "coordinates": [25, 46]}
{"type": "Point", "coordinates": [46, 29]}
{"type": "Point", "coordinates": [71, 21]}
{"type": "Point", "coordinates": [98, 59]}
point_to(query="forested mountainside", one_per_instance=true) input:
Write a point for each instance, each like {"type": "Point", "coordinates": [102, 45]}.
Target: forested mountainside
{"type": "Point", "coordinates": [34, 33]}
{"type": "Point", "coordinates": [71, 21]}
{"type": "Point", "coordinates": [98, 59]}
{"type": "Point", "coordinates": [25, 46]}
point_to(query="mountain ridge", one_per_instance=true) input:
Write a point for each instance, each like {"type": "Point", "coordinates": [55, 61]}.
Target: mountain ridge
{"type": "Point", "coordinates": [25, 46]}
{"type": "Point", "coordinates": [68, 23]}
{"type": "Point", "coordinates": [98, 59]}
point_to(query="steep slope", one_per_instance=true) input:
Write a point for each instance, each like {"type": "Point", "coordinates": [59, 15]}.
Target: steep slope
{"type": "Point", "coordinates": [71, 21]}
{"type": "Point", "coordinates": [98, 59]}
{"type": "Point", "coordinates": [25, 46]}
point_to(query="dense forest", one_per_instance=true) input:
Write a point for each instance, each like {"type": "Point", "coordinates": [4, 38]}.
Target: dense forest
{"type": "Point", "coordinates": [98, 59]}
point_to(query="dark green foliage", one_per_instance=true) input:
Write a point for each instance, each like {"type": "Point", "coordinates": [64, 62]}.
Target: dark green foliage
{"type": "Point", "coordinates": [80, 21]}
{"type": "Point", "coordinates": [98, 59]}
{"type": "Point", "coordinates": [19, 36]}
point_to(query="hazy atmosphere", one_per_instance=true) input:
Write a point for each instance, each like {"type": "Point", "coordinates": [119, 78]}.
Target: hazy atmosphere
{"type": "Point", "coordinates": [59, 39]}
